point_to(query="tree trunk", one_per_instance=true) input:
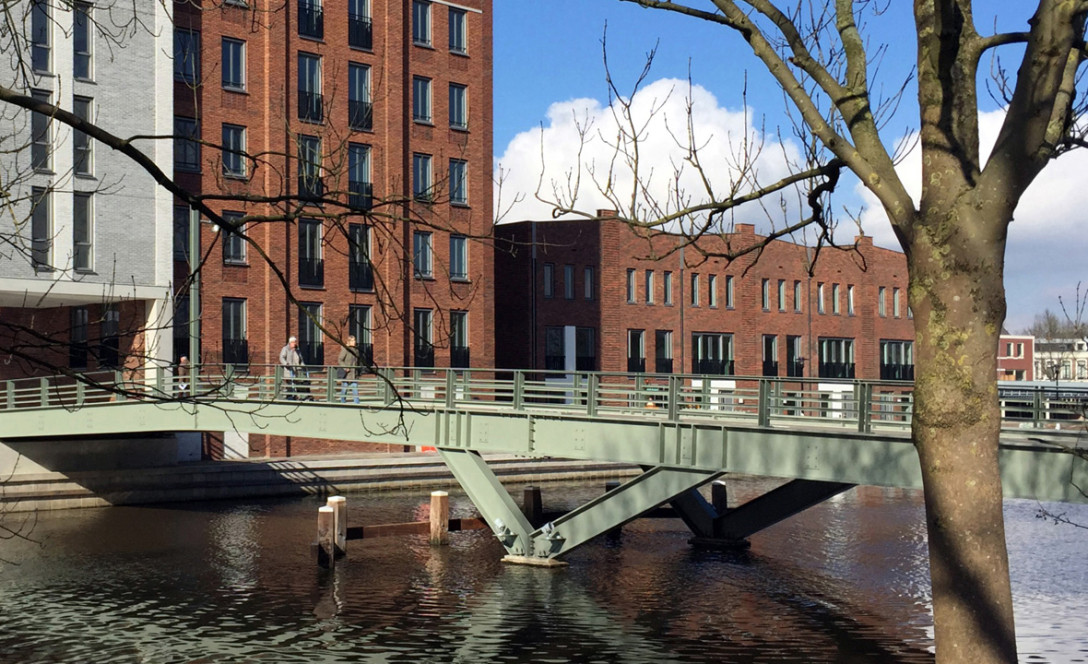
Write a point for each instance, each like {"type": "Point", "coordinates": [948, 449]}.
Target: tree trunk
{"type": "Point", "coordinates": [957, 296]}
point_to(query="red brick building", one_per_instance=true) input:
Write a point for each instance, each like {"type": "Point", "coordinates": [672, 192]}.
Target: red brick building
{"type": "Point", "coordinates": [376, 115]}
{"type": "Point", "coordinates": [1016, 357]}
{"type": "Point", "coordinates": [594, 295]}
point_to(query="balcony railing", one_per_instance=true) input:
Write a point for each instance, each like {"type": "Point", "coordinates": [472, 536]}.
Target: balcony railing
{"type": "Point", "coordinates": [795, 368]}
{"type": "Point", "coordinates": [360, 276]}
{"type": "Point", "coordinates": [836, 370]}
{"type": "Point", "coordinates": [360, 115]}
{"type": "Point", "coordinates": [310, 188]}
{"type": "Point", "coordinates": [310, 106]}
{"type": "Point", "coordinates": [360, 195]}
{"type": "Point", "coordinates": [424, 355]}
{"type": "Point", "coordinates": [896, 372]}
{"type": "Point", "coordinates": [311, 20]}
{"type": "Point", "coordinates": [109, 352]}
{"type": "Point", "coordinates": [311, 272]}
{"type": "Point", "coordinates": [770, 368]}
{"type": "Point", "coordinates": [360, 32]}
{"type": "Point", "coordinates": [663, 365]}
{"type": "Point", "coordinates": [713, 367]}
{"type": "Point", "coordinates": [312, 352]}
{"type": "Point", "coordinates": [636, 365]}
{"type": "Point", "coordinates": [459, 357]}
{"type": "Point", "coordinates": [235, 351]}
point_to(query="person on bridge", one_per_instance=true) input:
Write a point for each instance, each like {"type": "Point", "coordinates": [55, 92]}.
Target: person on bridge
{"type": "Point", "coordinates": [181, 377]}
{"type": "Point", "coordinates": [293, 370]}
{"type": "Point", "coordinates": [348, 369]}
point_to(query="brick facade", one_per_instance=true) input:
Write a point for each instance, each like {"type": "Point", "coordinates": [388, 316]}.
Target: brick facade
{"type": "Point", "coordinates": [738, 324]}
{"type": "Point", "coordinates": [1016, 357]}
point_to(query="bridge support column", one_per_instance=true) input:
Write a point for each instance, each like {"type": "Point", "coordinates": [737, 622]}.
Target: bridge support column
{"type": "Point", "coordinates": [489, 496]}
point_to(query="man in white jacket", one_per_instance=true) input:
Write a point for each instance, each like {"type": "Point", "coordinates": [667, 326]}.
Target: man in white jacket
{"type": "Point", "coordinates": [293, 370]}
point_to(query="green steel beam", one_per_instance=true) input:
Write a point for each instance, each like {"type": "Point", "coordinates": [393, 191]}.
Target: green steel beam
{"type": "Point", "coordinates": [774, 506]}
{"type": "Point", "coordinates": [491, 499]}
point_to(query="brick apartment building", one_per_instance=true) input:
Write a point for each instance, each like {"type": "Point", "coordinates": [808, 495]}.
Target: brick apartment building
{"type": "Point", "coordinates": [591, 295]}
{"type": "Point", "coordinates": [377, 116]}
{"type": "Point", "coordinates": [1016, 357]}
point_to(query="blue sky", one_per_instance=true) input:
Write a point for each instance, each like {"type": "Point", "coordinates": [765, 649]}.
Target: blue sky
{"type": "Point", "coordinates": [548, 61]}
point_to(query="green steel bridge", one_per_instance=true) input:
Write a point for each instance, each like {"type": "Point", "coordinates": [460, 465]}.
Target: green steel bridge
{"type": "Point", "coordinates": [822, 436]}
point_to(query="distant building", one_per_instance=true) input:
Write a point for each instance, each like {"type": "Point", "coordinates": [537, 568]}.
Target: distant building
{"type": "Point", "coordinates": [596, 295]}
{"type": "Point", "coordinates": [1064, 360]}
{"type": "Point", "coordinates": [1016, 358]}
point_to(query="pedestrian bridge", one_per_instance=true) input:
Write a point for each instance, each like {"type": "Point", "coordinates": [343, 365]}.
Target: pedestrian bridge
{"type": "Point", "coordinates": [822, 436]}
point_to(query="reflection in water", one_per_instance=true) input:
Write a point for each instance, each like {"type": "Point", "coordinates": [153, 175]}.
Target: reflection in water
{"type": "Point", "coordinates": [843, 582]}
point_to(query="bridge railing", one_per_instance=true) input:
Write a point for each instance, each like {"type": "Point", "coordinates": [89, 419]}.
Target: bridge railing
{"type": "Point", "coordinates": [765, 401]}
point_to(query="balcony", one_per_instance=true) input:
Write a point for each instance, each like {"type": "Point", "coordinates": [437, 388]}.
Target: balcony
{"type": "Point", "coordinates": [424, 355]}
{"type": "Point", "coordinates": [311, 20]}
{"type": "Point", "coordinates": [360, 276]}
{"type": "Point", "coordinates": [311, 189]}
{"type": "Point", "coordinates": [896, 372]}
{"type": "Point", "coordinates": [360, 195]}
{"type": "Point", "coordinates": [770, 368]}
{"type": "Point", "coordinates": [311, 272]}
{"type": "Point", "coordinates": [310, 106]}
{"type": "Point", "coordinates": [360, 115]}
{"type": "Point", "coordinates": [663, 365]}
{"type": "Point", "coordinates": [713, 367]}
{"type": "Point", "coordinates": [312, 352]}
{"type": "Point", "coordinates": [459, 357]}
{"type": "Point", "coordinates": [636, 365]}
{"type": "Point", "coordinates": [360, 32]}
{"type": "Point", "coordinates": [235, 351]}
{"type": "Point", "coordinates": [836, 370]}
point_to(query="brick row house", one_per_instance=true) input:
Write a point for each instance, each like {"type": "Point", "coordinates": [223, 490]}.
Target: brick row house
{"type": "Point", "coordinates": [596, 295]}
{"type": "Point", "coordinates": [374, 117]}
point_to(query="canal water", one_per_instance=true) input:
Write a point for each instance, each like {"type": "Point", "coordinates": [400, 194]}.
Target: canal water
{"type": "Point", "coordinates": [236, 582]}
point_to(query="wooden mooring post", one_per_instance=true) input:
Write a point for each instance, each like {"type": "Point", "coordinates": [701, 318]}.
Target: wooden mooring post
{"type": "Point", "coordinates": [326, 536]}
{"type": "Point", "coordinates": [440, 517]}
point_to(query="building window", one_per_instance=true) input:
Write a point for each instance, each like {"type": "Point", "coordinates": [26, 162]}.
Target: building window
{"type": "Point", "coordinates": [458, 31]}
{"type": "Point", "coordinates": [729, 302]}
{"type": "Point", "coordinates": [234, 150]}
{"type": "Point", "coordinates": [186, 56]}
{"type": "Point", "coordinates": [82, 40]}
{"type": "Point", "coordinates": [712, 290]}
{"type": "Point", "coordinates": [311, 186]}
{"type": "Point", "coordinates": [40, 24]}
{"type": "Point", "coordinates": [555, 351]}
{"type": "Point", "coordinates": [836, 358]}
{"type": "Point", "coordinates": [666, 285]}
{"type": "Point", "coordinates": [458, 182]}
{"type": "Point", "coordinates": [41, 146]}
{"type": "Point", "coordinates": [795, 361]}
{"type": "Point", "coordinates": [636, 351]}
{"type": "Point", "coordinates": [649, 286]}
{"type": "Point", "coordinates": [797, 299]}
{"type": "Point", "coordinates": [311, 19]}
{"type": "Point", "coordinates": [422, 255]}
{"type": "Point", "coordinates": [181, 233]}
{"type": "Point", "coordinates": [235, 346]}
{"type": "Point", "coordinates": [694, 290]}
{"type": "Point", "coordinates": [423, 332]}
{"type": "Point", "coordinates": [663, 351]}
{"type": "Point", "coordinates": [77, 338]}
{"type": "Point", "coordinates": [421, 177]}
{"type": "Point", "coordinates": [770, 355]}
{"type": "Point", "coordinates": [234, 242]}
{"type": "Point", "coordinates": [896, 360]}
{"type": "Point", "coordinates": [82, 232]}
{"type": "Point", "coordinates": [109, 331]}
{"type": "Point", "coordinates": [568, 282]}
{"type": "Point", "coordinates": [310, 102]}
{"type": "Point", "coordinates": [360, 271]}
{"type": "Point", "coordinates": [585, 349]}
{"type": "Point", "coordinates": [360, 109]}
{"type": "Point", "coordinates": [458, 106]}
{"type": "Point", "coordinates": [588, 282]}
{"type": "Point", "coordinates": [712, 353]}
{"type": "Point", "coordinates": [835, 299]}
{"type": "Point", "coordinates": [819, 298]}
{"type": "Point", "coordinates": [421, 99]}
{"type": "Point", "coordinates": [311, 264]}
{"type": "Point", "coordinates": [360, 189]}
{"type": "Point", "coordinates": [310, 341]}
{"type": "Point", "coordinates": [186, 145]}
{"type": "Point", "coordinates": [881, 307]}
{"type": "Point", "coordinates": [459, 352]}
{"type": "Point", "coordinates": [781, 294]}
{"type": "Point", "coordinates": [359, 326]}
{"type": "Point", "coordinates": [421, 22]}
{"type": "Point", "coordinates": [849, 300]}
{"type": "Point", "coordinates": [630, 286]}
{"type": "Point", "coordinates": [895, 302]}
{"type": "Point", "coordinates": [549, 280]}
{"type": "Point", "coordinates": [82, 146]}
{"type": "Point", "coordinates": [41, 228]}
{"type": "Point", "coordinates": [234, 64]}
{"type": "Point", "coordinates": [360, 27]}
{"type": "Point", "coordinates": [458, 257]}
{"type": "Point", "coordinates": [765, 294]}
